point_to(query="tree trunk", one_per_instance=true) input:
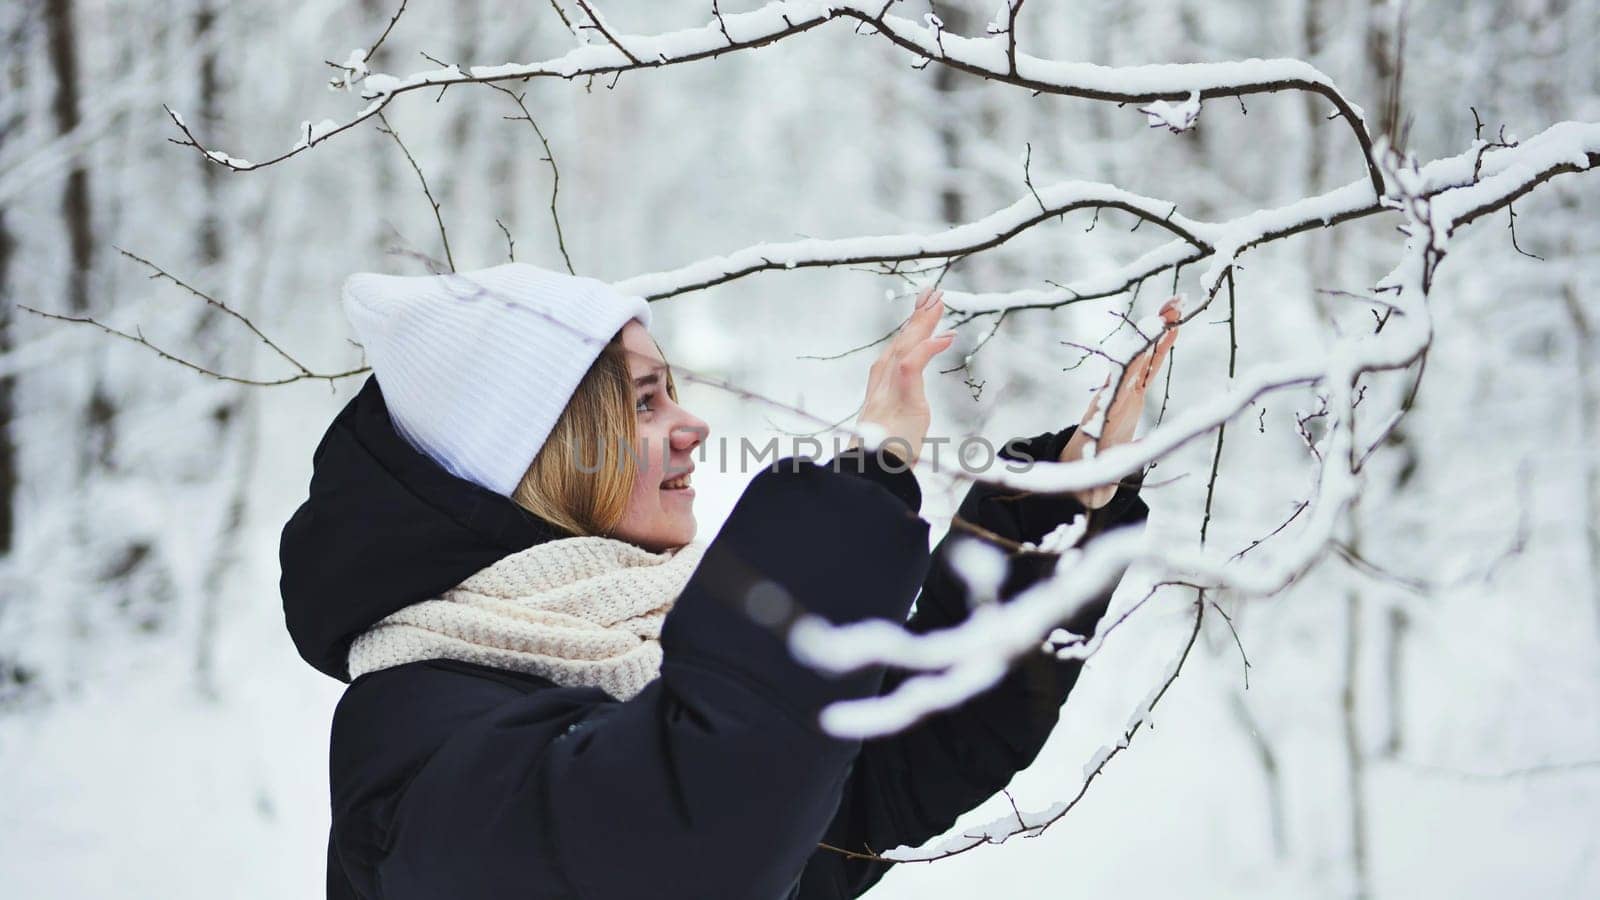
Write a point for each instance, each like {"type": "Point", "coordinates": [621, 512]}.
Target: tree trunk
{"type": "Point", "coordinates": [13, 47]}
{"type": "Point", "coordinates": [78, 218]}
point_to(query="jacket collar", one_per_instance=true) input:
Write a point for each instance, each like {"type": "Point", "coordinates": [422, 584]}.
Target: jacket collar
{"type": "Point", "coordinates": [383, 527]}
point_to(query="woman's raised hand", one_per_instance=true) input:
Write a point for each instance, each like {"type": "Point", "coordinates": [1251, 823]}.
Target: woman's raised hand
{"type": "Point", "coordinates": [1126, 407]}
{"type": "Point", "coordinates": [896, 401]}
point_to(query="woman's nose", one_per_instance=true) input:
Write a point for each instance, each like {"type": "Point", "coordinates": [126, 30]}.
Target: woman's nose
{"type": "Point", "coordinates": [690, 433]}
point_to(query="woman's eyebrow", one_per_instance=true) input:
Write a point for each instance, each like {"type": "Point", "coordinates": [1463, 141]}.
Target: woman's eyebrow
{"type": "Point", "coordinates": [651, 378]}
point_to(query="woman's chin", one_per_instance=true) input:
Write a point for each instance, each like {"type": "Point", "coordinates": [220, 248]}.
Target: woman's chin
{"type": "Point", "coordinates": [682, 532]}
{"type": "Point", "coordinates": [679, 532]}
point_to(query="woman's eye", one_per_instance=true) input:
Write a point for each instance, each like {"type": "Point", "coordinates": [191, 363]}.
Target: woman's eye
{"type": "Point", "coordinates": [642, 404]}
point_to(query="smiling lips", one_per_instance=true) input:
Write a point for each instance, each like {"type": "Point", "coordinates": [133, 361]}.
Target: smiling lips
{"type": "Point", "coordinates": [679, 483]}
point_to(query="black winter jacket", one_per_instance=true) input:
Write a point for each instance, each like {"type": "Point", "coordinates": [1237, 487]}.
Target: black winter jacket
{"type": "Point", "coordinates": [455, 780]}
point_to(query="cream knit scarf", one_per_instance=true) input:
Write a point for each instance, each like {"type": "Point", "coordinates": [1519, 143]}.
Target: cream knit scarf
{"type": "Point", "coordinates": [580, 611]}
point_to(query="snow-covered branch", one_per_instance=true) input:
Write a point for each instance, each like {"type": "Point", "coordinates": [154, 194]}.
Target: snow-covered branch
{"type": "Point", "coordinates": [1558, 150]}
{"type": "Point", "coordinates": [1029, 824]}
{"type": "Point", "coordinates": [982, 234]}
{"type": "Point", "coordinates": [962, 661]}
{"type": "Point", "coordinates": [993, 57]}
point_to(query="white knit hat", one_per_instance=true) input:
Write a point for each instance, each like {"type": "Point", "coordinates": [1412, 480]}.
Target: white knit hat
{"type": "Point", "coordinates": [475, 367]}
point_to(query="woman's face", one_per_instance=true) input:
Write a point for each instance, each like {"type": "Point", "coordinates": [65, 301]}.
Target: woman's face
{"type": "Point", "coordinates": [657, 517]}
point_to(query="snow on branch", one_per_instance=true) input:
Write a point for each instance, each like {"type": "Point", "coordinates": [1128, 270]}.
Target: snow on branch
{"type": "Point", "coordinates": [1175, 117]}
{"type": "Point", "coordinates": [964, 660]}
{"type": "Point", "coordinates": [969, 658]}
{"type": "Point", "coordinates": [1031, 824]}
{"type": "Point", "coordinates": [1565, 147]}
{"type": "Point", "coordinates": [993, 56]}
{"type": "Point", "coordinates": [990, 231]}
{"type": "Point", "coordinates": [959, 662]}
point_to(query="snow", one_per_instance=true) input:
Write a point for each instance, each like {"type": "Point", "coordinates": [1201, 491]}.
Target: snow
{"type": "Point", "coordinates": [988, 228]}
{"type": "Point", "coordinates": [872, 435]}
{"type": "Point", "coordinates": [378, 84]}
{"type": "Point", "coordinates": [1175, 117]}
{"type": "Point", "coordinates": [982, 566]}
{"type": "Point", "coordinates": [1094, 762]}
{"type": "Point", "coordinates": [994, 832]}
{"type": "Point", "coordinates": [1001, 20]}
{"type": "Point", "coordinates": [354, 69]}
{"type": "Point", "coordinates": [310, 133]}
{"type": "Point", "coordinates": [230, 161]}
{"type": "Point", "coordinates": [1156, 260]}
{"type": "Point", "coordinates": [1565, 143]}
{"type": "Point", "coordinates": [1004, 631]}
{"type": "Point", "coordinates": [915, 698]}
{"type": "Point", "coordinates": [964, 659]}
{"type": "Point", "coordinates": [1148, 82]}
{"type": "Point", "coordinates": [1065, 536]}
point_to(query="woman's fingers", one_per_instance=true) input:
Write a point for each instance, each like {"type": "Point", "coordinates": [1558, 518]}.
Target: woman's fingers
{"type": "Point", "coordinates": [917, 326]}
{"type": "Point", "coordinates": [901, 340]}
{"type": "Point", "coordinates": [1148, 362]}
{"type": "Point", "coordinates": [1163, 344]}
{"type": "Point", "coordinates": [1137, 374]}
{"type": "Point", "coordinates": [1152, 364]}
{"type": "Point", "coordinates": [1128, 396]}
{"type": "Point", "coordinates": [1094, 406]}
{"type": "Point", "coordinates": [913, 361]}
{"type": "Point", "coordinates": [924, 317]}
{"type": "Point", "coordinates": [896, 399]}
{"type": "Point", "coordinates": [1159, 355]}
{"type": "Point", "coordinates": [1094, 401]}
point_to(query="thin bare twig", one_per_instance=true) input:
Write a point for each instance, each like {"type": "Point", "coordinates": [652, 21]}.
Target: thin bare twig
{"type": "Point", "coordinates": [443, 235]}
{"type": "Point", "coordinates": [600, 26]}
{"type": "Point", "coordinates": [158, 272]}
{"type": "Point", "coordinates": [138, 338]}
{"type": "Point", "coordinates": [549, 157]}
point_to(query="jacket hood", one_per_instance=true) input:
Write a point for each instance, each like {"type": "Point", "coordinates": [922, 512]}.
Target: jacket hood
{"type": "Point", "coordinates": [384, 527]}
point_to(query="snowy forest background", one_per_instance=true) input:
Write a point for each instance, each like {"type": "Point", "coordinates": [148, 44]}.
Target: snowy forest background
{"type": "Point", "coordinates": [1418, 716]}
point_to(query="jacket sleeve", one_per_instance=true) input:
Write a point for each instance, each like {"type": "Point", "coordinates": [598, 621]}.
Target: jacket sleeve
{"type": "Point", "coordinates": [908, 787]}
{"type": "Point", "coordinates": [713, 782]}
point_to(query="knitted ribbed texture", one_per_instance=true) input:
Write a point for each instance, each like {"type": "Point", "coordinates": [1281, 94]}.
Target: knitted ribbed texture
{"type": "Point", "coordinates": [580, 611]}
{"type": "Point", "coordinates": [477, 366]}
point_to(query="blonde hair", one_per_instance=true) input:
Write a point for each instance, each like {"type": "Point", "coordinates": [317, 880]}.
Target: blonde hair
{"type": "Point", "coordinates": [580, 480]}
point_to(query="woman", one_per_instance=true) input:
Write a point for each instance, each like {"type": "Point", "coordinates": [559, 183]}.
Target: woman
{"type": "Point", "coordinates": [553, 691]}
